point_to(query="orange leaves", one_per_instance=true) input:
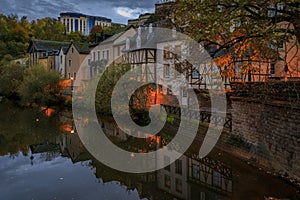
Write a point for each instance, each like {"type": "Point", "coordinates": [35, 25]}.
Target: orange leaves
{"type": "Point", "coordinates": [65, 83]}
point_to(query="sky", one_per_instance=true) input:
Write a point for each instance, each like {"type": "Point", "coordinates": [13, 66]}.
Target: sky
{"type": "Point", "coordinates": [117, 10]}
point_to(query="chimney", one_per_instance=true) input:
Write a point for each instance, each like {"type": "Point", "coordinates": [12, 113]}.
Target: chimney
{"type": "Point", "coordinates": [138, 39]}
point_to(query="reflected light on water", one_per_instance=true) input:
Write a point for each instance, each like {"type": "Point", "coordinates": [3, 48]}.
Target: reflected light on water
{"type": "Point", "coordinates": [66, 127]}
{"type": "Point", "coordinates": [48, 111]}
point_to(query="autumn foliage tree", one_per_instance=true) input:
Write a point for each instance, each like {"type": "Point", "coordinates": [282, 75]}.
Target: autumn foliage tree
{"type": "Point", "coordinates": [41, 87]}
{"type": "Point", "coordinates": [240, 30]}
{"type": "Point", "coordinates": [95, 33]}
{"type": "Point", "coordinates": [16, 32]}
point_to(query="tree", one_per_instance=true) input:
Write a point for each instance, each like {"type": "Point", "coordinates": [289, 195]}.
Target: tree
{"type": "Point", "coordinates": [106, 86]}
{"type": "Point", "coordinates": [41, 87]}
{"type": "Point", "coordinates": [113, 29]}
{"type": "Point", "coordinates": [11, 78]}
{"type": "Point", "coordinates": [242, 29]}
{"type": "Point", "coordinates": [48, 29]}
{"type": "Point", "coordinates": [95, 34]}
{"type": "Point", "coordinates": [13, 36]}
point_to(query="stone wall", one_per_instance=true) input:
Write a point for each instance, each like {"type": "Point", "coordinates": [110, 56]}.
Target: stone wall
{"type": "Point", "coordinates": [268, 127]}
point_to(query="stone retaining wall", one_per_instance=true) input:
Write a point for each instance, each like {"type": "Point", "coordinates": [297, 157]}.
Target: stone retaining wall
{"type": "Point", "coordinates": [268, 126]}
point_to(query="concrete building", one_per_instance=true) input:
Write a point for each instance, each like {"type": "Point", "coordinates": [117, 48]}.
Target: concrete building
{"type": "Point", "coordinates": [81, 22]}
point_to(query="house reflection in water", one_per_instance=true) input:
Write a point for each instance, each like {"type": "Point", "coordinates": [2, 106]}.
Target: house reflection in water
{"type": "Point", "coordinates": [71, 146]}
{"type": "Point", "coordinates": [187, 178]}
{"type": "Point", "coordinates": [196, 179]}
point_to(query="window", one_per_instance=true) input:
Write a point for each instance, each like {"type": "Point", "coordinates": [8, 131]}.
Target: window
{"type": "Point", "coordinates": [72, 50]}
{"type": "Point", "coordinates": [166, 70]}
{"type": "Point", "coordinates": [61, 59]}
{"type": "Point", "coordinates": [89, 61]}
{"type": "Point", "coordinates": [70, 62]}
{"type": "Point", "coordinates": [272, 70]}
{"type": "Point", "coordinates": [167, 53]}
{"type": "Point", "coordinates": [74, 76]}
{"type": "Point", "coordinates": [167, 162]}
{"type": "Point", "coordinates": [44, 54]}
{"type": "Point", "coordinates": [103, 54]}
{"type": "Point", "coordinates": [94, 56]}
{"type": "Point", "coordinates": [178, 51]}
{"type": "Point", "coordinates": [178, 166]}
{"type": "Point", "coordinates": [98, 55]}
{"type": "Point", "coordinates": [107, 54]}
{"type": "Point", "coordinates": [196, 172]}
{"type": "Point", "coordinates": [167, 181]}
{"type": "Point", "coordinates": [169, 89]}
{"type": "Point", "coordinates": [72, 30]}
{"type": "Point", "coordinates": [118, 51]}
{"type": "Point", "coordinates": [69, 75]}
{"type": "Point", "coordinates": [217, 179]}
{"type": "Point", "coordinates": [160, 89]}
{"type": "Point", "coordinates": [184, 92]}
{"type": "Point", "coordinates": [195, 72]}
{"type": "Point", "coordinates": [178, 185]}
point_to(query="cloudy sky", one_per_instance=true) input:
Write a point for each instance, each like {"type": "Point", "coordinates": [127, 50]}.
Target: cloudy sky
{"type": "Point", "coordinates": [117, 10]}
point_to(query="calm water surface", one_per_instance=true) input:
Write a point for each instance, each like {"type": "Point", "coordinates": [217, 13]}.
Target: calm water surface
{"type": "Point", "coordinates": [40, 158]}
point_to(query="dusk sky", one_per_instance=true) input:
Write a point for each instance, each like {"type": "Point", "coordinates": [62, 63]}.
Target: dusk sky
{"type": "Point", "coordinates": [117, 10]}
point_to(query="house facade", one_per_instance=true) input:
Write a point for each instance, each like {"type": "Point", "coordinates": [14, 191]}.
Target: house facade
{"type": "Point", "coordinates": [44, 52]}
{"type": "Point", "coordinates": [108, 52]}
{"type": "Point", "coordinates": [61, 57]}
{"type": "Point", "coordinates": [76, 54]}
{"type": "Point", "coordinates": [164, 57]}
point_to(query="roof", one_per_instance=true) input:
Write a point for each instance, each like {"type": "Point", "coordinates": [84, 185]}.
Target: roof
{"type": "Point", "coordinates": [46, 45]}
{"type": "Point", "coordinates": [150, 40]}
{"type": "Point", "coordinates": [82, 48]}
{"type": "Point", "coordinates": [65, 49]}
{"type": "Point", "coordinates": [112, 38]}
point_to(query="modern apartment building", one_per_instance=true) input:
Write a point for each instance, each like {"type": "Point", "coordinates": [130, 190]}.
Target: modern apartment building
{"type": "Point", "coordinates": [81, 22]}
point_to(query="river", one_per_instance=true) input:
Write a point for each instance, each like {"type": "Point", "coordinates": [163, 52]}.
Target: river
{"type": "Point", "coordinates": [42, 157]}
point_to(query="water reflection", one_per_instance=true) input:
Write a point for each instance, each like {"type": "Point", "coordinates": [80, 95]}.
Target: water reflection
{"type": "Point", "coordinates": [55, 164]}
